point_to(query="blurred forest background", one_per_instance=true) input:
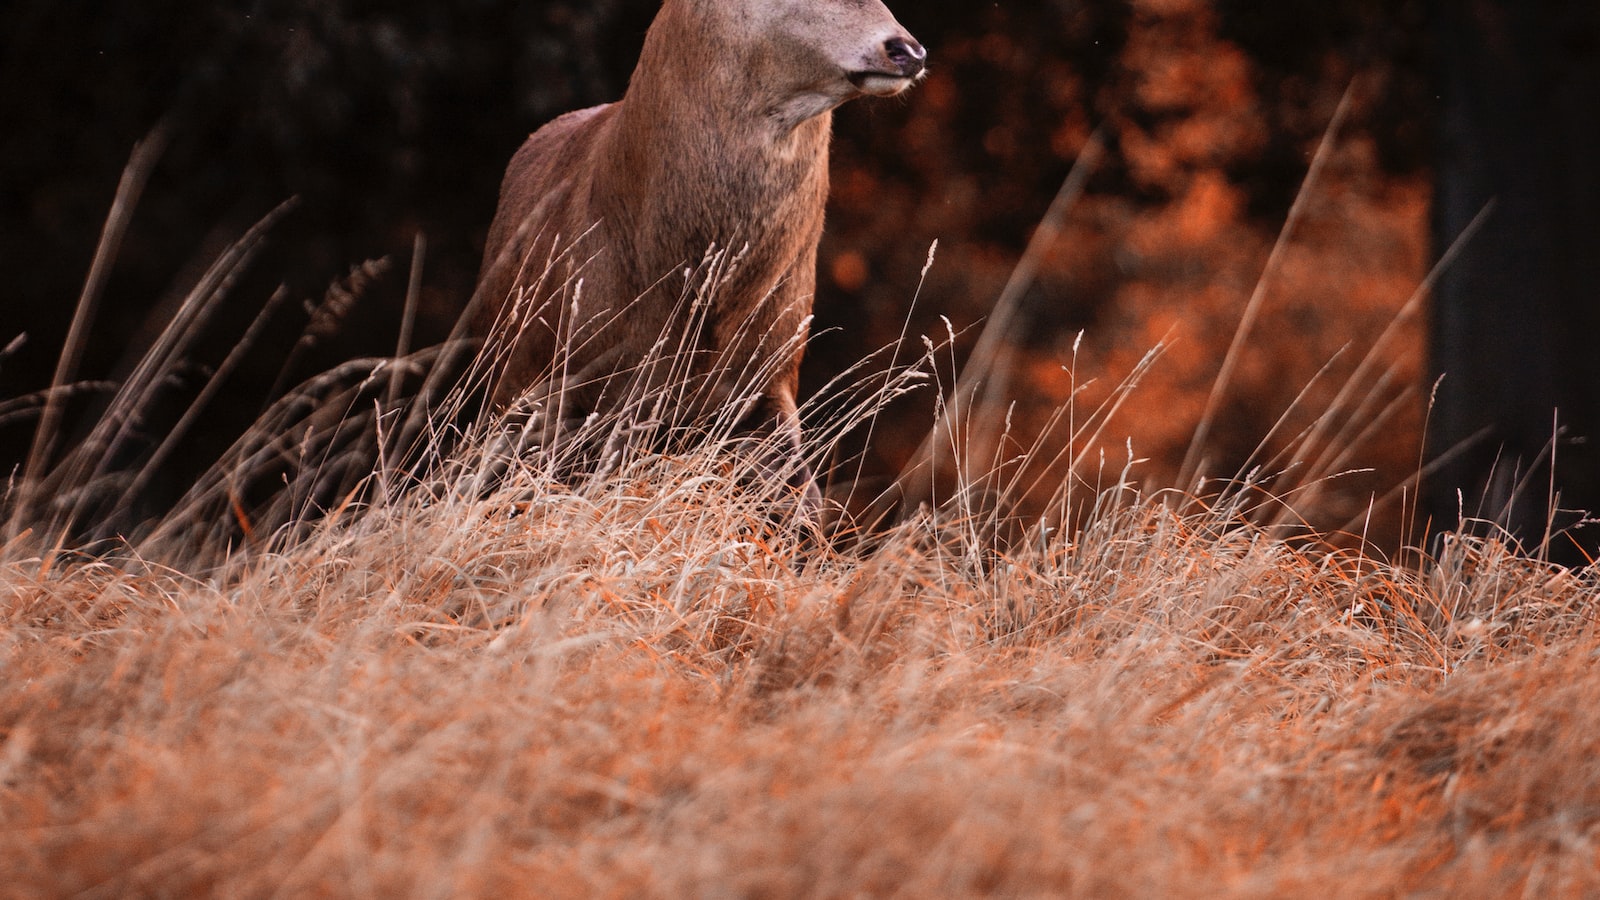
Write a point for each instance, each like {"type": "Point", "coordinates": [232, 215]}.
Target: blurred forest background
{"type": "Point", "coordinates": [390, 120]}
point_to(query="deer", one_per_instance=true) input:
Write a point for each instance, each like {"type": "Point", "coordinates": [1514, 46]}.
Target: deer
{"type": "Point", "coordinates": [665, 245]}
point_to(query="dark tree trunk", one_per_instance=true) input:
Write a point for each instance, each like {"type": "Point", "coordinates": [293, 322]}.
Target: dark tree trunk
{"type": "Point", "coordinates": [1516, 330]}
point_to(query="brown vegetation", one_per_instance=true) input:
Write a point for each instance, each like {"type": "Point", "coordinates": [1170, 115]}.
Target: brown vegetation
{"type": "Point", "coordinates": [636, 686]}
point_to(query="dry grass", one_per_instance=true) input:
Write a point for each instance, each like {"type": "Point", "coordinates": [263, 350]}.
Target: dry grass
{"type": "Point", "coordinates": [636, 686]}
{"type": "Point", "coordinates": [648, 679]}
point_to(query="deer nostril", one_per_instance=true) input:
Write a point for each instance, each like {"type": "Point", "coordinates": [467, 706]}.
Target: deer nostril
{"type": "Point", "coordinates": [906, 54]}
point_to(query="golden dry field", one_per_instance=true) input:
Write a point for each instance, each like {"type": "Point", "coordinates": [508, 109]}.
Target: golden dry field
{"type": "Point", "coordinates": [638, 685]}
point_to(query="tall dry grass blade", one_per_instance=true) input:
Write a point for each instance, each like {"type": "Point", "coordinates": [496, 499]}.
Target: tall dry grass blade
{"type": "Point", "coordinates": [32, 405]}
{"type": "Point", "coordinates": [213, 386]}
{"type": "Point", "coordinates": [1334, 450]}
{"type": "Point", "coordinates": [463, 375]}
{"type": "Point", "coordinates": [135, 176]}
{"type": "Point", "coordinates": [297, 432]}
{"type": "Point", "coordinates": [326, 318]}
{"type": "Point", "coordinates": [99, 452]}
{"type": "Point", "coordinates": [994, 361]}
{"type": "Point", "coordinates": [12, 347]}
{"type": "Point", "coordinates": [1552, 496]}
{"type": "Point", "coordinates": [408, 317]}
{"type": "Point", "coordinates": [1189, 472]}
{"type": "Point", "coordinates": [889, 372]}
{"type": "Point", "coordinates": [1422, 474]}
{"type": "Point", "coordinates": [987, 363]}
{"type": "Point", "coordinates": [1085, 436]}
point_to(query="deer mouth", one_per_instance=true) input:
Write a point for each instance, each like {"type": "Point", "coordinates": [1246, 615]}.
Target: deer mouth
{"type": "Point", "coordinates": [881, 84]}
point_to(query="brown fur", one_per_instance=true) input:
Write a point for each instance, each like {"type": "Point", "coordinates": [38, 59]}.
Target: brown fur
{"type": "Point", "coordinates": [721, 141]}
